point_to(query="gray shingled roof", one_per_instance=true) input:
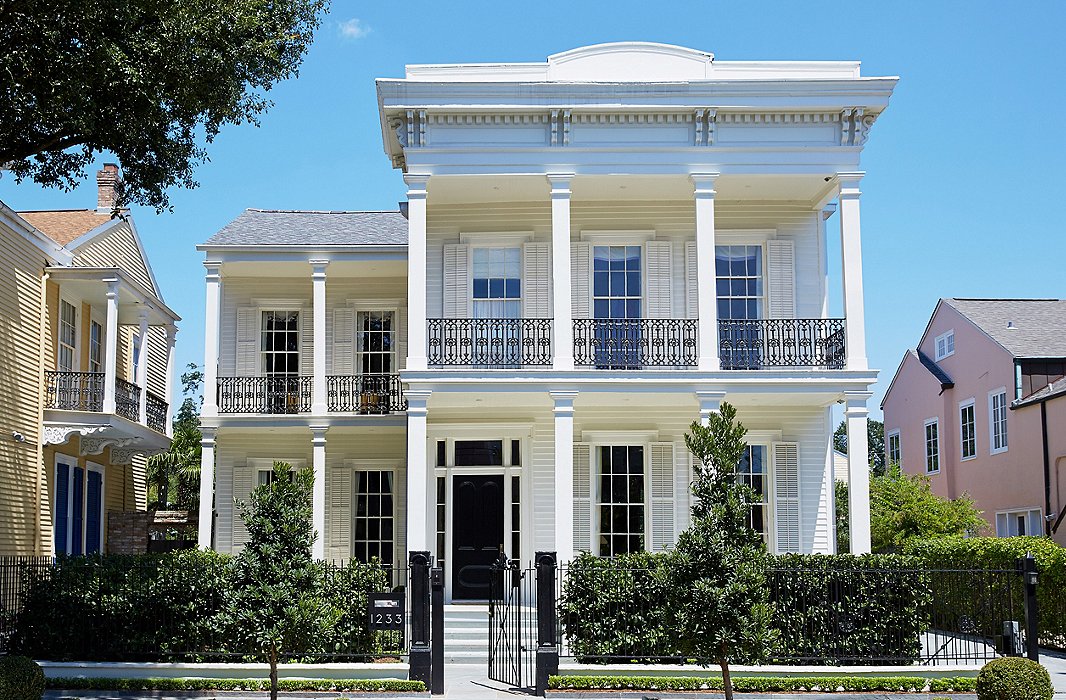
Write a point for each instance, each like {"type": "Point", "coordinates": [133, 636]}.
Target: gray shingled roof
{"type": "Point", "coordinates": [1056, 388]}
{"type": "Point", "coordinates": [1038, 326]}
{"type": "Point", "coordinates": [267, 227]}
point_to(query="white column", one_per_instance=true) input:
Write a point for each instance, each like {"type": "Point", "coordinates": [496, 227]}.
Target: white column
{"type": "Point", "coordinates": [851, 254]}
{"type": "Point", "coordinates": [212, 324]}
{"type": "Point", "coordinates": [855, 415]}
{"type": "Point", "coordinates": [318, 314]}
{"type": "Point", "coordinates": [207, 488]}
{"type": "Point", "coordinates": [141, 370]}
{"type": "Point", "coordinates": [417, 195]}
{"type": "Point", "coordinates": [318, 494]}
{"type": "Point", "coordinates": [419, 474]}
{"type": "Point", "coordinates": [111, 347]}
{"type": "Point", "coordinates": [703, 187]}
{"type": "Point", "coordinates": [172, 336]}
{"type": "Point", "coordinates": [564, 474]}
{"type": "Point", "coordinates": [710, 402]}
{"type": "Point", "coordinates": [563, 329]}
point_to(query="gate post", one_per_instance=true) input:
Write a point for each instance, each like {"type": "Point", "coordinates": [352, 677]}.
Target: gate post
{"type": "Point", "coordinates": [547, 649]}
{"type": "Point", "coordinates": [1027, 568]}
{"type": "Point", "coordinates": [437, 584]}
{"type": "Point", "coordinates": [420, 653]}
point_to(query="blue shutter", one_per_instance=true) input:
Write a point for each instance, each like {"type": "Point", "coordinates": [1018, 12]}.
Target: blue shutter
{"type": "Point", "coordinates": [62, 514]}
{"type": "Point", "coordinates": [79, 507]}
{"type": "Point", "coordinates": [94, 512]}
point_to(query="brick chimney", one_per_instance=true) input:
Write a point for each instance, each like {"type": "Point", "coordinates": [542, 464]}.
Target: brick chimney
{"type": "Point", "coordinates": [106, 182]}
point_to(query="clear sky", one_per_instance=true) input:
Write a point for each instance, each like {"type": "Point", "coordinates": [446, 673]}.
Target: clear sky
{"type": "Point", "coordinates": [965, 181]}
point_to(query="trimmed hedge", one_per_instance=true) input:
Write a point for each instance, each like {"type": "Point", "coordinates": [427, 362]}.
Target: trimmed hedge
{"type": "Point", "coordinates": [20, 679]}
{"type": "Point", "coordinates": [288, 685]}
{"type": "Point", "coordinates": [752, 684]}
{"type": "Point", "coordinates": [1014, 679]}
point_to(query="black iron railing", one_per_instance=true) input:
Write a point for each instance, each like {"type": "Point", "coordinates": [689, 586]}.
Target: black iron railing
{"type": "Point", "coordinates": [365, 393]}
{"type": "Point", "coordinates": [782, 342]}
{"type": "Point", "coordinates": [277, 394]}
{"type": "Point", "coordinates": [74, 391]}
{"type": "Point", "coordinates": [489, 343]}
{"type": "Point", "coordinates": [635, 343]}
{"type": "Point", "coordinates": [127, 400]}
{"type": "Point", "coordinates": [155, 410]}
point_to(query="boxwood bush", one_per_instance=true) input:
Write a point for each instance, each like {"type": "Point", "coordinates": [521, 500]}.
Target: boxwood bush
{"type": "Point", "coordinates": [757, 684]}
{"type": "Point", "coordinates": [20, 679]}
{"type": "Point", "coordinates": [1013, 679]}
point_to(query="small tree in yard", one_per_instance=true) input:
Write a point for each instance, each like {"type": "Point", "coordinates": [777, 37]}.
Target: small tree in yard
{"type": "Point", "coordinates": [277, 602]}
{"type": "Point", "coordinates": [719, 563]}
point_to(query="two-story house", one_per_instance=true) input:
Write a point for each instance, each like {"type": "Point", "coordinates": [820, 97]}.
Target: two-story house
{"type": "Point", "coordinates": [90, 348]}
{"type": "Point", "coordinates": [973, 407]}
{"type": "Point", "coordinates": [595, 251]}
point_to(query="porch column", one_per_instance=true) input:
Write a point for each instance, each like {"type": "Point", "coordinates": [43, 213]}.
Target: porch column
{"type": "Point", "coordinates": [710, 402]}
{"type": "Point", "coordinates": [172, 336]}
{"type": "Point", "coordinates": [318, 323]}
{"type": "Point", "coordinates": [564, 473]}
{"type": "Point", "coordinates": [707, 324]}
{"type": "Point", "coordinates": [212, 318]}
{"type": "Point", "coordinates": [318, 494]}
{"type": "Point", "coordinates": [206, 520]}
{"type": "Point", "coordinates": [855, 415]}
{"type": "Point", "coordinates": [563, 328]}
{"type": "Point", "coordinates": [851, 254]}
{"type": "Point", "coordinates": [417, 194]}
{"type": "Point", "coordinates": [141, 370]}
{"type": "Point", "coordinates": [418, 473]}
{"type": "Point", "coordinates": [111, 347]}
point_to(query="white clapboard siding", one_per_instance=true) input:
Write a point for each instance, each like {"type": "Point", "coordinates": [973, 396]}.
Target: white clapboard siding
{"type": "Point", "coordinates": [582, 497]}
{"type": "Point", "coordinates": [343, 341]}
{"type": "Point", "coordinates": [243, 483]}
{"type": "Point", "coordinates": [307, 342]}
{"type": "Point", "coordinates": [581, 299]}
{"type": "Point", "coordinates": [339, 521]}
{"type": "Point", "coordinates": [692, 299]}
{"type": "Point", "coordinates": [399, 519]}
{"type": "Point", "coordinates": [247, 358]}
{"type": "Point", "coordinates": [456, 281]}
{"type": "Point", "coordinates": [662, 496]}
{"type": "Point", "coordinates": [786, 496]}
{"type": "Point", "coordinates": [401, 337]}
{"type": "Point", "coordinates": [536, 282]}
{"type": "Point", "coordinates": [781, 278]}
{"type": "Point", "coordinates": [658, 261]}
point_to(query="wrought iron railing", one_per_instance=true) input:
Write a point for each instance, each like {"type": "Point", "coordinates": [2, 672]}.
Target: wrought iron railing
{"type": "Point", "coordinates": [782, 342]}
{"type": "Point", "coordinates": [489, 343]}
{"type": "Point", "coordinates": [127, 400]}
{"type": "Point", "coordinates": [155, 410]}
{"type": "Point", "coordinates": [277, 394]}
{"type": "Point", "coordinates": [635, 343]}
{"type": "Point", "coordinates": [74, 391]}
{"type": "Point", "coordinates": [365, 393]}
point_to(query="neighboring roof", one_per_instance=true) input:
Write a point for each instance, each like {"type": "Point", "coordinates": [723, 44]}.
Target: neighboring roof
{"type": "Point", "coordinates": [1056, 388]}
{"type": "Point", "coordinates": [941, 376]}
{"type": "Point", "coordinates": [1037, 327]}
{"type": "Point", "coordinates": [55, 252]}
{"type": "Point", "coordinates": [267, 227]}
{"type": "Point", "coordinates": [65, 225]}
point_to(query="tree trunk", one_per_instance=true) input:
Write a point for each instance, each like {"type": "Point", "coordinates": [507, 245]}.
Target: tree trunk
{"type": "Point", "coordinates": [727, 682]}
{"type": "Point", "coordinates": [273, 672]}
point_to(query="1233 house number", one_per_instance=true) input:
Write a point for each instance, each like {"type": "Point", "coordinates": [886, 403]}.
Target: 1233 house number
{"type": "Point", "coordinates": [386, 611]}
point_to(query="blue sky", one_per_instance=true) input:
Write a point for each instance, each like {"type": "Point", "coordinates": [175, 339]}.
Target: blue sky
{"type": "Point", "coordinates": [964, 181]}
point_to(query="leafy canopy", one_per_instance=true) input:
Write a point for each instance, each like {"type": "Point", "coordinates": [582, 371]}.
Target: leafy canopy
{"type": "Point", "coordinates": [903, 508]}
{"type": "Point", "coordinates": [875, 436]}
{"type": "Point", "coordinates": [142, 79]}
{"type": "Point", "coordinates": [177, 471]}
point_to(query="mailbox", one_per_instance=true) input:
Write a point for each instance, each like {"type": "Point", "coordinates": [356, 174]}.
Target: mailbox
{"type": "Point", "coordinates": [385, 611]}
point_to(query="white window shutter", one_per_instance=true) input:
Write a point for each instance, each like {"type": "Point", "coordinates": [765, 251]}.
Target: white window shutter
{"type": "Point", "coordinates": [659, 278]}
{"type": "Point", "coordinates": [536, 282]}
{"type": "Point", "coordinates": [692, 298]}
{"type": "Point", "coordinates": [339, 522]}
{"type": "Point", "coordinates": [243, 482]}
{"type": "Point", "coordinates": [662, 496]}
{"type": "Point", "coordinates": [399, 519]}
{"type": "Point", "coordinates": [456, 281]}
{"type": "Point", "coordinates": [343, 341]}
{"type": "Point", "coordinates": [581, 298]}
{"type": "Point", "coordinates": [582, 497]}
{"type": "Point", "coordinates": [781, 278]}
{"type": "Point", "coordinates": [247, 360]}
{"type": "Point", "coordinates": [307, 342]}
{"type": "Point", "coordinates": [786, 497]}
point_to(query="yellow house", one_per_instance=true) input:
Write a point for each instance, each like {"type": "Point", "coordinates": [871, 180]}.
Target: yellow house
{"type": "Point", "coordinates": [87, 347]}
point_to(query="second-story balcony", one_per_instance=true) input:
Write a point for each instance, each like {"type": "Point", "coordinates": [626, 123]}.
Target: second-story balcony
{"type": "Point", "coordinates": [366, 394]}
{"type": "Point", "coordinates": [635, 343]}
{"type": "Point", "coordinates": [84, 391]}
{"type": "Point", "coordinates": [489, 343]}
{"type": "Point", "coordinates": [781, 342]}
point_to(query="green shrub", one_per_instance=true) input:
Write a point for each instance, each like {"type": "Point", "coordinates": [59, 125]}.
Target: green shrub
{"type": "Point", "coordinates": [1013, 679]}
{"type": "Point", "coordinates": [20, 679]}
{"type": "Point", "coordinates": [752, 684]}
{"type": "Point", "coordinates": [234, 684]}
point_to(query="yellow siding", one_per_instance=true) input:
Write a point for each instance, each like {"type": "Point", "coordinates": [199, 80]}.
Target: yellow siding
{"type": "Point", "coordinates": [116, 248]}
{"type": "Point", "coordinates": [83, 342]}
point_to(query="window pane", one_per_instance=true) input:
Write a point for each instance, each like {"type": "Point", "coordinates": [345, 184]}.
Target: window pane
{"type": "Point", "coordinates": [478, 453]}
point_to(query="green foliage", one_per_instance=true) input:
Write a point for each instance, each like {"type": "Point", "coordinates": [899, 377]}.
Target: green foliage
{"type": "Point", "coordinates": [843, 509]}
{"type": "Point", "coordinates": [1013, 679]}
{"type": "Point", "coordinates": [758, 684]}
{"type": "Point", "coordinates": [177, 471]}
{"type": "Point", "coordinates": [387, 685]}
{"type": "Point", "coordinates": [20, 679]}
{"type": "Point", "coordinates": [875, 437]}
{"type": "Point", "coordinates": [903, 508]}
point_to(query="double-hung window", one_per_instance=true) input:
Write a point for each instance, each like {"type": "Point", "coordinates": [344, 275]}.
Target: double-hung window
{"type": "Point", "coordinates": [616, 305]}
{"type": "Point", "coordinates": [280, 356]}
{"type": "Point", "coordinates": [738, 271]}
{"type": "Point", "coordinates": [967, 430]}
{"type": "Point", "coordinates": [945, 345]}
{"type": "Point", "coordinates": [66, 359]}
{"type": "Point", "coordinates": [753, 473]}
{"type": "Point", "coordinates": [997, 418]}
{"type": "Point", "coordinates": [376, 360]}
{"type": "Point", "coordinates": [892, 447]}
{"type": "Point", "coordinates": [96, 335]}
{"type": "Point", "coordinates": [932, 446]}
{"type": "Point", "coordinates": [621, 499]}
{"type": "Point", "coordinates": [373, 521]}
{"type": "Point", "coordinates": [497, 295]}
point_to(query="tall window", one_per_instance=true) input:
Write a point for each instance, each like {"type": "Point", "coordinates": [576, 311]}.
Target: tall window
{"type": "Point", "coordinates": [374, 513]}
{"type": "Point", "coordinates": [621, 499]}
{"type": "Point", "coordinates": [752, 472]}
{"type": "Point", "coordinates": [616, 295]}
{"type": "Point", "coordinates": [68, 337]}
{"type": "Point", "coordinates": [96, 335]}
{"type": "Point", "coordinates": [932, 446]}
{"type": "Point", "coordinates": [892, 447]}
{"type": "Point", "coordinates": [376, 346]}
{"type": "Point", "coordinates": [497, 283]}
{"type": "Point", "coordinates": [280, 345]}
{"type": "Point", "coordinates": [967, 431]}
{"type": "Point", "coordinates": [945, 345]}
{"type": "Point", "coordinates": [739, 289]}
{"type": "Point", "coordinates": [997, 409]}
{"type": "Point", "coordinates": [136, 358]}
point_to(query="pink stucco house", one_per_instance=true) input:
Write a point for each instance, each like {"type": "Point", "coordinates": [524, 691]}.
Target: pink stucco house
{"type": "Point", "coordinates": [980, 407]}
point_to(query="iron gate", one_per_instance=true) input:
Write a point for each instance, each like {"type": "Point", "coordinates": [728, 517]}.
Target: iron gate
{"type": "Point", "coordinates": [512, 624]}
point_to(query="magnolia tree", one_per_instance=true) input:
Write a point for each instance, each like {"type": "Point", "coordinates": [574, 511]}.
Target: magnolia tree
{"type": "Point", "coordinates": [719, 563]}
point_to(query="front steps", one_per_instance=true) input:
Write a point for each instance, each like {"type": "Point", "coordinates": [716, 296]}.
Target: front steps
{"type": "Point", "coordinates": [466, 634]}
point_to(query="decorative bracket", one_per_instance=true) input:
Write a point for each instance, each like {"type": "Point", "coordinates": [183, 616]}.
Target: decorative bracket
{"type": "Point", "coordinates": [705, 121]}
{"type": "Point", "coordinates": [560, 127]}
{"type": "Point", "coordinates": [855, 126]}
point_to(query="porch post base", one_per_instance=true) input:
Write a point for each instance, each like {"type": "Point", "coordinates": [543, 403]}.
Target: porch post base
{"type": "Point", "coordinates": [421, 665]}
{"type": "Point", "coordinates": [547, 665]}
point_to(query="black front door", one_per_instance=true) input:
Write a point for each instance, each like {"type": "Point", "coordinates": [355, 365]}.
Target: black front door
{"type": "Point", "coordinates": [477, 527]}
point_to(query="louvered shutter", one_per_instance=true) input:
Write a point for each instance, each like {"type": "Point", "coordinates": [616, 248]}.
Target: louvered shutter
{"type": "Point", "coordinates": [682, 487]}
{"type": "Point", "coordinates": [401, 337]}
{"type": "Point", "coordinates": [456, 281]}
{"type": "Point", "coordinates": [307, 342]}
{"type": "Point", "coordinates": [692, 299]}
{"type": "Point", "coordinates": [243, 483]}
{"type": "Point", "coordinates": [343, 341]}
{"type": "Point", "coordinates": [339, 520]}
{"type": "Point", "coordinates": [662, 496]}
{"type": "Point", "coordinates": [582, 498]}
{"type": "Point", "coordinates": [781, 278]}
{"type": "Point", "coordinates": [536, 278]}
{"type": "Point", "coordinates": [399, 519]}
{"type": "Point", "coordinates": [658, 261]}
{"type": "Point", "coordinates": [786, 496]}
{"type": "Point", "coordinates": [579, 279]}
{"type": "Point", "coordinates": [247, 360]}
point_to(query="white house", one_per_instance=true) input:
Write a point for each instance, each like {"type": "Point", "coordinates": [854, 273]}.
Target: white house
{"type": "Point", "coordinates": [595, 251]}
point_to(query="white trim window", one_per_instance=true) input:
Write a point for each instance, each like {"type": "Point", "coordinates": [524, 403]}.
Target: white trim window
{"type": "Point", "coordinates": [967, 430]}
{"type": "Point", "coordinates": [997, 420]}
{"type": "Point", "coordinates": [738, 271]}
{"type": "Point", "coordinates": [1018, 523]}
{"type": "Point", "coordinates": [932, 446]}
{"type": "Point", "coordinates": [496, 283]}
{"type": "Point", "coordinates": [280, 343]}
{"type": "Point", "coordinates": [96, 339]}
{"type": "Point", "coordinates": [376, 344]}
{"type": "Point", "coordinates": [753, 472]}
{"type": "Point", "coordinates": [373, 519]}
{"type": "Point", "coordinates": [945, 345]}
{"type": "Point", "coordinates": [67, 355]}
{"type": "Point", "coordinates": [621, 499]}
{"type": "Point", "coordinates": [617, 294]}
{"type": "Point", "coordinates": [893, 453]}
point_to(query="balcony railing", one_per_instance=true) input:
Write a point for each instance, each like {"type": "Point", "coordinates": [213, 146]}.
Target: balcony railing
{"type": "Point", "coordinates": [127, 400]}
{"type": "Point", "coordinates": [277, 394]}
{"type": "Point", "coordinates": [155, 409]}
{"type": "Point", "coordinates": [635, 343]}
{"type": "Point", "coordinates": [489, 343]}
{"type": "Point", "coordinates": [74, 391]}
{"type": "Point", "coordinates": [782, 342]}
{"type": "Point", "coordinates": [365, 393]}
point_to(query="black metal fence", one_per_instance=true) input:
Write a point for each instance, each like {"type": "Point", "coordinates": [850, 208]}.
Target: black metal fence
{"type": "Point", "coordinates": [273, 395]}
{"type": "Point", "coordinates": [782, 342]}
{"type": "Point", "coordinates": [489, 343]}
{"type": "Point", "coordinates": [365, 393]}
{"type": "Point", "coordinates": [635, 343]}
